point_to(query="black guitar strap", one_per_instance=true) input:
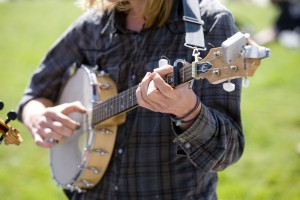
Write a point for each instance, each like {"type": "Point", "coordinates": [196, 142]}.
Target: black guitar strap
{"type": "Point", "coordinates": [193, 25]}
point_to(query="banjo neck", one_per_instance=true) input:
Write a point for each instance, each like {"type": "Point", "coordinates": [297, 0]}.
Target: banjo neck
{"type": "Point", "coordinates": [127, 100]}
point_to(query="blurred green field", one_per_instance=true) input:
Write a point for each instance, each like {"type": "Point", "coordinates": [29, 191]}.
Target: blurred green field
{"type": "Point", "coordinates": [270, 166]}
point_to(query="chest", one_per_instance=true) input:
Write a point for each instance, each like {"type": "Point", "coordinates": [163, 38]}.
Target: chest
{"type": "Point", "coordinates": [127, 57]}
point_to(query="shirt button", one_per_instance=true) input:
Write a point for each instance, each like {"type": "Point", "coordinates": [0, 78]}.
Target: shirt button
{"type": "Point", "coordinates": [133, 77]}
{"type": "Point", "coordinates": [187, 145]}
{"type": "Point", "coordinates": [116, 187]}
{"type": "Point", "coordinates": [120, 151]}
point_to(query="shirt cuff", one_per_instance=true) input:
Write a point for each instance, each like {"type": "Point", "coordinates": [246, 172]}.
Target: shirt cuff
{"type": "Point", "coordinates": [200, 132]}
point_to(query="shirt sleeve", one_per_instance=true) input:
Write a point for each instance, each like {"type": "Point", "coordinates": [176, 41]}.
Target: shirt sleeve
{"type": "Point", "coordinates": [215, 140]}
{"type": "Point", "coordinates": [49, 75]}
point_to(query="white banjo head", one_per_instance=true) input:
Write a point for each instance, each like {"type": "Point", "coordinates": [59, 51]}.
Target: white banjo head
{"type": "Point", "coordinates": [67, 157]}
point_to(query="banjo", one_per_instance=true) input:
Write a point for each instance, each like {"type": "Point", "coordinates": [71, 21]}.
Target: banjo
{"type": "Point", "coordinates": [80, 161]}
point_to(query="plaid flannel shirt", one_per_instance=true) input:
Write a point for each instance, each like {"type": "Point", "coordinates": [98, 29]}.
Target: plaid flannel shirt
{"type": "Point", "coordinates": [153, 159]}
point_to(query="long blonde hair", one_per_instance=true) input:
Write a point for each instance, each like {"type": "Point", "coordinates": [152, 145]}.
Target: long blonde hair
{"type": "Point", "coordinates": [155, 12]}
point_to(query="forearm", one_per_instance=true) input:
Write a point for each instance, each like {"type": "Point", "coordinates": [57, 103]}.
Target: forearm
{"type": "Point", "coordinates": [185, 121]}
{"type": "Point", "coordinates": [213, 142]}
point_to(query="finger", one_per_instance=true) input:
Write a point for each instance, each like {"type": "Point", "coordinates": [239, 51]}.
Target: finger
{"type": "Point", "coordinates": [40, 141]}
{"type": "Point", "coordinates": [141, 101]}
{"type": "Point", "coordinates": [156, 96]}
{"type": "Point", "coordinates": [71, 108]}
{"type": "Point", "coordinates": [60, 113]}
{"type": "Point", "coordinates": [48, 135]}
{"type": "Point", "coordinates": [51, 134]}
{"type": "Point", "coordinates": [164, 70]}
{"type": "Point", "coordinates": [60, 129]}
{"type": "Point", "coordinates": [51, 122]}
{"type": "Point", "coordinates": [44, 144]}
{"type": "Point", "coordinates": [144, 85]}
{"type": "Point", "coordinates": [141, 93]}
{"type": "Point", "coordinates": [164, 88]}
{"type": "Point", "coordinates": [155, 101]}
{"type": "Point", "coordinates": [64, 122]}
{"type": "Point", "coordinates": [74, 107]}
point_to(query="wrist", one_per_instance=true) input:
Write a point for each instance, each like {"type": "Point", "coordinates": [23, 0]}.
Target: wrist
{"type": "Point", "coordinates": [33, 108]}
{"type": "Point", "coordinates": [189, 117]}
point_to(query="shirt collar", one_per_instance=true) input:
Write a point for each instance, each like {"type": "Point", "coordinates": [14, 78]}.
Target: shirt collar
{"type": "Point", "coordinates": [177, 12]}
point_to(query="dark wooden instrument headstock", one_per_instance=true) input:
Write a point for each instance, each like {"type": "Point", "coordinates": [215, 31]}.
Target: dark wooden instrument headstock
{"type": "Point", "coordinates": [8, 134]}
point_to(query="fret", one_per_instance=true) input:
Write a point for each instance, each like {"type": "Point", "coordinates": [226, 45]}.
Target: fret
{"type": "Point", "coordinates": [121, 103]}
{"type": "Point", "coordinates": [111, 107]}
{"type": "Point", "coordinates": [185, 73]}
{"type": "Point", "coordinates": [115, 105]}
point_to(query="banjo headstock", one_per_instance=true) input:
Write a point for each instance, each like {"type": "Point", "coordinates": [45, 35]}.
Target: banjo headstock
{"type": "Point", "coordinates": [238, 57]}
{"type": "Point", "coordinates": [9, 134]}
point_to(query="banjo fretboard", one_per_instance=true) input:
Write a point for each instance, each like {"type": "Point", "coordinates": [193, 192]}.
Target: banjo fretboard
{"type": "Point", "coordinates": [126, 100]}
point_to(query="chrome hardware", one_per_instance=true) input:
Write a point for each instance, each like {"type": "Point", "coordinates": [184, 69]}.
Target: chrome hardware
{"type": "Point", "coordinates": [217, 53]}
{"type": "Point", "coordinates": [196, 54]}
{"type": "Point", "coordinates": [100, 151]}
{"type": "Point", "coordinates": [92, 169]}
{"type": "Point", "coordinates": [104, 86]}
{"type": "Point", "coordinates": [72, 187]}
{"type": "Point", "coordinates": [234, 68]}
{"type": "Point", "coordinates": [105, 131]}
{"type": "Point", "coordinates": [87, 183]}
{"type": "Point", "coordinates": [217, 72]}
{"type": "Point", "coordinates": [102, 73]}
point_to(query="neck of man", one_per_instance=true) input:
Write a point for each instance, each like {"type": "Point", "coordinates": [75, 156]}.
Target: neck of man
{"type": "Point", "coordinates": [134, 21]}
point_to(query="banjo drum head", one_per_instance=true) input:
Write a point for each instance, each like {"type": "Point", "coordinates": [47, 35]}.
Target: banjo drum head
{"type": "Point", "coordinates": [67, 157]}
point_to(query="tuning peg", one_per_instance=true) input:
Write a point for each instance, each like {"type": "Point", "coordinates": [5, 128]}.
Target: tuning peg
{"type": "Point", "coordinates": [163, 62]}
{"type": "Point", "coordinates": [246, 82]}
{"type": "Point", "coordinates": [1, 105]}
{"type": "Point", "coordinates": [228, 86]}
{"type": "Point", "coordinates": [11, 115]}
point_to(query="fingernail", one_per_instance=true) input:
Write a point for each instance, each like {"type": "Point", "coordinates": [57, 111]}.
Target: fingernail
{"type": "Point", "coordinates": [77, 127]}
{"type": "Point", "coordinates": [51, 140]}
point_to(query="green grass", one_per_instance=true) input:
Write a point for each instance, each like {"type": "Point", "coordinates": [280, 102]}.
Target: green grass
{"type": "Point", "coordinates": [27, 30]}
{"type": "Point", "coordinates": [270, 166]}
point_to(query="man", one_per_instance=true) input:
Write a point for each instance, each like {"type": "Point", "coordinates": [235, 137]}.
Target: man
{"type": "Point", "coordinates": [154, 157]}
